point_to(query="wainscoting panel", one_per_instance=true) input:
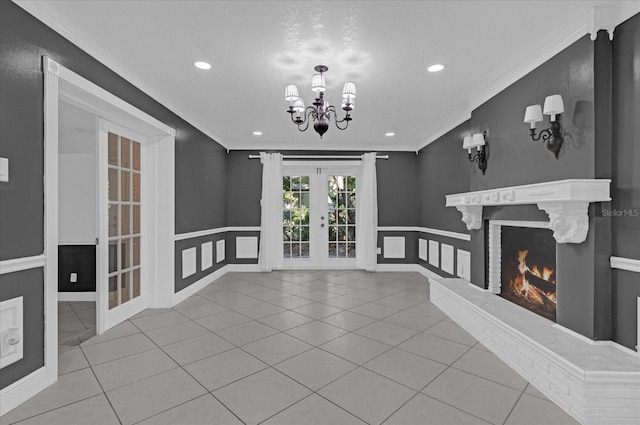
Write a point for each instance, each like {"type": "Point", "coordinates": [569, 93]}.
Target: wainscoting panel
{"type": "Point", "coordinates": [393, 247]}
{"type": "Point", "coordinates": [188, 262]}
{"type": "Point", "coordinates": [220, 251]}
{"type": "Point", "coordinates": [206, 255]}
{"type": "Point", "coordinates": [246, 247]}
{"type": "Point", "coordinates": [464, 264]}
{"type": "Point", "coordinates": [434, 253]}
{"type": "Point", "coordinates": [446, 261]}
{"type": "Point", "coordinates": [422, 249]}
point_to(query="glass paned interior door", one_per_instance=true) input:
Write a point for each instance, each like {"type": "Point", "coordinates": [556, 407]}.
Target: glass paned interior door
{"type": "Point", "coordinates": [319, 217]}
{"type": "Point", "coordinates": [124, 229]}
{"type": "Point", "coordinates": [296, 216]}
{"type": "Point", "coordinates": [341, 213]}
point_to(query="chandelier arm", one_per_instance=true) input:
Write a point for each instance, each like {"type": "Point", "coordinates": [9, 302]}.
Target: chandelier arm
{"type": "Point", "coordinates": [303, 115]}
{"type": "Point", "coordinates": [345, 126]}
{"type": "Point", "coordinates": [307, 118]}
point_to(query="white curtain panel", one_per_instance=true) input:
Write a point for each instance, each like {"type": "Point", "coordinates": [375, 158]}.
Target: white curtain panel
{"type": "Point", "coordinates": [367, 214]}
{"type": "Point", "coordinates": [270, 255]}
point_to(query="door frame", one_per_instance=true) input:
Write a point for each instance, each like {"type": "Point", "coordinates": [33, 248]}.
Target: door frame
{"type": "Point", "coordinates": [313, 168]}
{"type": "Point", "coordinates": [60, 83]}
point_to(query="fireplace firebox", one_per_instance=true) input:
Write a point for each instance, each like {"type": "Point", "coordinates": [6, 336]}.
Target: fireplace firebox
{"type": "Point", "coordinates": [528, 269]}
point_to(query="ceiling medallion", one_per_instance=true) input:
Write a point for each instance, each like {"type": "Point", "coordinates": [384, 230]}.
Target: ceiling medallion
{"type": "Point", "coordinates": [321, 111]}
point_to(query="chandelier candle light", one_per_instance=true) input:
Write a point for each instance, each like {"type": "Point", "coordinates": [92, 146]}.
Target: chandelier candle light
{"type": "Point", "coordinates": [321, 110]}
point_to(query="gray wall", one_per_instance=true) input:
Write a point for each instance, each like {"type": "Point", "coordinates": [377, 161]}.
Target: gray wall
{"type": "Point", "coordinates": [200, 161]}
{"type": "Point", "coordinates": [443, 169]}
{"type": "Point", "coordinates": [626, 176]}
{"type": "Point", "coordinates": [201, 182]}
{"type": "Point", "coordinates": [244, 189]}
{"type": "Point", "coordinates": [398, 200]}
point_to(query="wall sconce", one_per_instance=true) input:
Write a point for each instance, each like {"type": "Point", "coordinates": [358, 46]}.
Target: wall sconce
{"type": "Point", "coordinates": [554, 134]}
{"type": "Point", "coordinates": [476, 141]}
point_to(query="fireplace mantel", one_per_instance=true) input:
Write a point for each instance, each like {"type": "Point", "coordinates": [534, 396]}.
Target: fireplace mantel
{"type": "Point", "coordinates": [566, 202]}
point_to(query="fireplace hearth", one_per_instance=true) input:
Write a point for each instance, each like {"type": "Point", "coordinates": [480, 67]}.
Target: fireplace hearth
{"type": "Point", "coordinates": [528, 264]}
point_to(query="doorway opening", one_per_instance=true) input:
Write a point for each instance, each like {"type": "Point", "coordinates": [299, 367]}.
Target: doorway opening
{"type": "Point", "coordinates": [157, 221]}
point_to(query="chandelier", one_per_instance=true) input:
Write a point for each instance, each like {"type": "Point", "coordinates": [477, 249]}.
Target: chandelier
{"type": "Point", "coordinates": [321, 111]}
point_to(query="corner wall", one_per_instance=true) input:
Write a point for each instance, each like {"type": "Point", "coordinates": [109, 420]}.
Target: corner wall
{"type": "Point", "coordinates": [600, 85]}
{"type": "Point", "coordinates": [23, 42]}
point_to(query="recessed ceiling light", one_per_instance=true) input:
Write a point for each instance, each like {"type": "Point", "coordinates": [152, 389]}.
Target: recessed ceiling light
{"type": "Point", "coordinates": [435, 68]}
{"type": "Point", "coordinates": [390, 134]}
{"type": "Point", "coordinates": [257, 133]}
{"type": "Point", "coordinates": [202, 65]}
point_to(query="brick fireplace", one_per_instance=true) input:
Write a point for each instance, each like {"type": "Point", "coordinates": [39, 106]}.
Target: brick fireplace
{"type": "Point", "coordinates": [597, 382]}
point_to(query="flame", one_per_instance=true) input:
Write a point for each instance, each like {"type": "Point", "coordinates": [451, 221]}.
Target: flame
{"type": "Point", "coordinates": [521, 286]}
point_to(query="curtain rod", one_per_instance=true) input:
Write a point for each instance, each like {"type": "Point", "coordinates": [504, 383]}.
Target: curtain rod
{"type": "Point", "coordinates": [321, 157]}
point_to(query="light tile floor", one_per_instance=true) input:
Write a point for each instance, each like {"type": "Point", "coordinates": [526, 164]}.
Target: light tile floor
{"type": "Point", "coordinates": [295, 347]}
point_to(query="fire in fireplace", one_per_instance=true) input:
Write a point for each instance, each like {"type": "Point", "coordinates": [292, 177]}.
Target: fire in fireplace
{"type": "Point", "coordinates": [528, 263]}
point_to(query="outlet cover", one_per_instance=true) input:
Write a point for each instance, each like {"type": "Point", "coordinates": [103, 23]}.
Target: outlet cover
{"type": "Point", "coordinates": [73, 278]}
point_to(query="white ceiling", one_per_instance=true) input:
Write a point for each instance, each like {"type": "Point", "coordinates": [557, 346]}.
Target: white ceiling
{"type": "Point", "coordinates": [257, 47]}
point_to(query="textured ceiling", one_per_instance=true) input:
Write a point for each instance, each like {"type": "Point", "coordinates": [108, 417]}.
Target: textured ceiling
{"type": "Point", "coordinates": [257, 47]}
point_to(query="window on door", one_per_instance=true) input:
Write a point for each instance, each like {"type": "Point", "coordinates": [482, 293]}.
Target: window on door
{"type": "Point", "coordinates": [124, 219]}
{"type": "Point", "coordinates": [296, 230]}
{"type": "Point", "coordinates": [341, 199]}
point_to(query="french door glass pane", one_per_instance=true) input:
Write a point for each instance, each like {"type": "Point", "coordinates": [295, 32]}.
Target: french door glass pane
{"type": "Point", "coordinates": [112, 188]}
{"type": "Point", "coordinates": [113, 149]}
{"type": "Point", "coordinates": [124, 219]}
{"type": "Point", "coordinates": [341, 230]}
{"type": "Point", "coordinates": [295, 216]}
{"type": "Point", "coordinates": [126, 153]}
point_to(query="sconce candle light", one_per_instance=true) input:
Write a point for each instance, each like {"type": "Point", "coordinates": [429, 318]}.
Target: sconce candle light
{"type": "Point", "coordinates": [476, 141]}
{"type": "Point", "coordinates": [553, 136]}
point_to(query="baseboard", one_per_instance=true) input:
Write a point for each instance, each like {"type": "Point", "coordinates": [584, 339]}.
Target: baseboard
{"type": "Point", "coordinates": [76, 296]}
{"type": "Point", "coordinates": [426, 272]}
{"type": "Point", "coordinates": [22, 390]}
{"type": "Point", "coordinates": [196, 286]}
{"type": "Point", "coordinates": [396, 267]}
{"type": "Point", "coordinates": [244, 268]}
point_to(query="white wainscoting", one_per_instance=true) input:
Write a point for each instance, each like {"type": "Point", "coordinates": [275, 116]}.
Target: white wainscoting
{"type": "Point", "coordinates": [220, 251]}
{"type": "Point", "coordinates": [246, 247]}
{"type": "Point", "coordinates": [393, 247]}
{"type": "Point", "coordinates": [628, 264]}
{"type": "Point", "coordinates": [463, 264]}
{"type": "Point", "coordinates": [422, 249]}
{"type": "Point", "coordinates": [434, 253]}
{"type": "Point", "coordinates": [206, 256]}
{"type": "Point", "coordinates": [21, 264]}
{"type": "Point", "coordinates": [188, 262]}
{"type": "Point", "coordinates": [446, 258]}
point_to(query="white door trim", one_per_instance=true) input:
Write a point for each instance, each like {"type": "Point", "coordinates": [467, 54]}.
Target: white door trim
{"type": "Point", "coordinates": [60, 82]}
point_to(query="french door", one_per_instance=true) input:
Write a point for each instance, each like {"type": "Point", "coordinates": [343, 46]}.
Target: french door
{"type": "Point", "coordinates": [121, 268]}
{"type": "Point", "coordinates": [319, 216]}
